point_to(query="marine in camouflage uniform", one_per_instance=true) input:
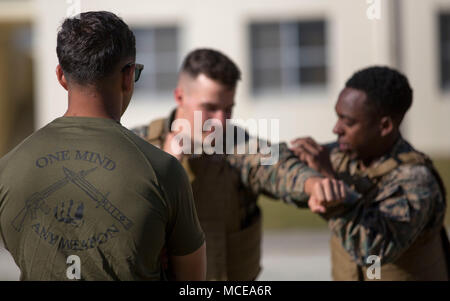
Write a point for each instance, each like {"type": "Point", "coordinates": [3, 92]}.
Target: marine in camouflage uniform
{"type": "Point", "coordinates": [398, 217]}
{"type": "Point", "coordinates": [398, 207]}
{"type": "Point", "coordinates": [226, 189]}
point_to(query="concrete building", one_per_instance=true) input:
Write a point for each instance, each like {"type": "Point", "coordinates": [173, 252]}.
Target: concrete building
{"type": "Point", "coordinates": [295, 56]}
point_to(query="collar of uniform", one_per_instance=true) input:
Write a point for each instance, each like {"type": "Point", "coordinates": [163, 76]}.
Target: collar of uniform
{"type": "Point", "coordinates": [86, 120]}
{"type": "Point", "coordinates": [167, 125]}
{"type": "Point", "coordinates": [168, 122]}
{"type": "Point", "coordinates": [389, 158]}
{"type": "Point", "coordinates": [353, 166]}
{"type": "Point", "coordinates": [157, 129]}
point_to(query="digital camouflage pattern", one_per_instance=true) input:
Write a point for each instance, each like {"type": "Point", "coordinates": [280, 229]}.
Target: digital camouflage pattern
{"type": "Point", "coordinates": [226, 189]}
{"type": "Point", "coordinates": [283, 180]}
{"type": "Point", "coordinates": [399, 203]}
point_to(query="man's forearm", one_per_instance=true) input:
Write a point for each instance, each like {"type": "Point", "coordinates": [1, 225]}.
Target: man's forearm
{"type": "Point", "coordinates": [283, 180]}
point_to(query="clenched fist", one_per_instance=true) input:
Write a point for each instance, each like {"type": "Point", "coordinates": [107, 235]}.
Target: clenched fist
{"type": "Point", "coordinates": [324, 193]}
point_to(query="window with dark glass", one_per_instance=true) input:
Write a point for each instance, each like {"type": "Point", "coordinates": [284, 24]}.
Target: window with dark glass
{"type": "Point", "coordinates": [444, 28]}
{"type": "Point", "coordinates": [288, 56]}
{"type": "Point", "coordinates": [157, 48]}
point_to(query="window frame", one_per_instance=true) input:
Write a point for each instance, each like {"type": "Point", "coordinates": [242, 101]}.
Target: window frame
{"type": "Point", "coordinates": [147, 85]}
{"type": "Point", "coordinates": [287, 77]}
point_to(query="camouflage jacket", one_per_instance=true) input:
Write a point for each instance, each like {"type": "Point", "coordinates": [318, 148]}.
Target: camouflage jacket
{"type": "Point", "coordinates": [283, 180]}
{"type": "Point", "coordinates": [394, 208]}
{"type": "Point", "coordinates": [226, 189]}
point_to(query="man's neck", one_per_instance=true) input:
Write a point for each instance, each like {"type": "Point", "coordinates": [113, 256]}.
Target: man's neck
{"type": "Point", "coordinates": [92, 104]}
{"type": "Point", "coordinates": [384, 148]}
{"type": "Point", "coordinates": [177, 115]}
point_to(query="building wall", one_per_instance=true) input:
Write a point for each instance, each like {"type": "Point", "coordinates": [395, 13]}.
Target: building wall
{"type": "Point", "coordinates": [428, 122]}
{"type": "Point", "coordinates": [354, 42]}
{"type": "Point", "coordinates": [16, 85]}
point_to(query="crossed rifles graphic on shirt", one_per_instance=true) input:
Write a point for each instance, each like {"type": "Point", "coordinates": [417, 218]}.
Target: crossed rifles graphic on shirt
{"type": "Point", "coordinates": [37, 200]}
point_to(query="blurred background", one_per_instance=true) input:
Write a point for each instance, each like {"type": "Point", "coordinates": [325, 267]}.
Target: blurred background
{"type": "Point", "coordinates": [295, 56]}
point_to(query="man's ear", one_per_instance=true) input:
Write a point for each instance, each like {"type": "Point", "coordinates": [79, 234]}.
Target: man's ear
{"type": "Point", "coordinates": [178, 95]}
{"type": "Point", "coordinates": [128, 79]}
{"type": "Point", "coordinates": [386, 126]}
{"type": "Point", "coordinates": [61, 77]}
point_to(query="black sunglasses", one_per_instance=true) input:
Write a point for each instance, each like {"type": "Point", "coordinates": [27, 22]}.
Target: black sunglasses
{"type": "Point", "coordinates": [137, 70]}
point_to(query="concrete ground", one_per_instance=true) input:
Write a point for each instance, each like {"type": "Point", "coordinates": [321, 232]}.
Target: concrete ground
{"type": "Point", "coordinates": [287, 255]}
{"type": "Point", "coordinates": [8, 269]}
{"type": "Point", "coordinates": [296, 255]}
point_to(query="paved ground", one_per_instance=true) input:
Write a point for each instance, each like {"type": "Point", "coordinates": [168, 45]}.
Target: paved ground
{"type": "Point", "coordinates": [296, 255]}
{"type": "Point", "coordinates": [287, 255]}
{"type": "Point", "coordinates": [8, 269]}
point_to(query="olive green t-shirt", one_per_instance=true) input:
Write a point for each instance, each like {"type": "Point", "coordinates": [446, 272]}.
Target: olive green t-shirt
{"type": "Point", "coordinates": [91, 188]}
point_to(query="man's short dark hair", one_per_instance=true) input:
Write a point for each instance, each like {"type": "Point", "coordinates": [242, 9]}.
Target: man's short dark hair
{"type": "Point", "coordinates": [387, 89]}
{"type": "Point", "coordinates": [91, 45]}
{"type": "Point", "coordinates": [214, 64]}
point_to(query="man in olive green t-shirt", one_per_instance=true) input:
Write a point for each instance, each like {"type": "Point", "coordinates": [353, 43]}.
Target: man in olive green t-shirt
{"type": "Point", "coordinates": [85, 198]}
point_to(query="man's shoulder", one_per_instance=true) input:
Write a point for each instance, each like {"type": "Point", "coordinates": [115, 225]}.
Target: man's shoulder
{"type": "Point", "coordinates": [22, 149]}
{"type": "Point", "coordinates": [141, 130]}
{"type": "Point", "coordinates": [416, 173]}
{"type": "Point", "coordinates": [412, 163]}
{"type": "Point", "coordinates": [417, 181]}
{"type": "Point", "coordinates": [153, 130]}
{"type": "Point", "coordinates": [412, 167]}
{"type": "Point", "coordinates": [151, 152]}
